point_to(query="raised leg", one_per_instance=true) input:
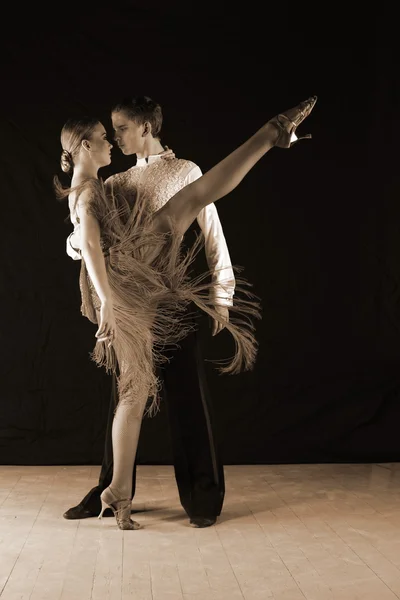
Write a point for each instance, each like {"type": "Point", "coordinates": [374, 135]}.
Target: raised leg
{"type": "Point", "coordinates": [181, 210]}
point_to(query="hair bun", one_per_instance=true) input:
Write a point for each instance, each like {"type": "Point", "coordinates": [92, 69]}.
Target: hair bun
{"type": "Point", "coordinates": [66, 161]}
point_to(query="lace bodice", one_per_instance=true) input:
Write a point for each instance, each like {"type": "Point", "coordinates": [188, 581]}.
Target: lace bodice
{"type": "Point", "coordinates": [159, 181]}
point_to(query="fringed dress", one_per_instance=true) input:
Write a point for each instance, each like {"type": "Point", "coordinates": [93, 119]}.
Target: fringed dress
{"type": "Point", "coordinates": [151, 287]}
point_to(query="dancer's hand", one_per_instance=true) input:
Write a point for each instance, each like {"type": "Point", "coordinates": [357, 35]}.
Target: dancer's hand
{"type": "Point", "coordinates": [106, 330]}
{"type": "Point", "coordinates": [223, 311]}
{"type": "Point", "coordinates": [167, 154]}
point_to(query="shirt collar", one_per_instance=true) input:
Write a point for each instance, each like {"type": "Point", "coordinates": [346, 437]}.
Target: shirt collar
{"type": "Point", "coordinates": [142, 162]}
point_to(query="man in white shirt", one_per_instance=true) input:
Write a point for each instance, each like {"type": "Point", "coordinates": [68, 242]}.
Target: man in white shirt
{"type": "Point", "coordinates": [198, 470]}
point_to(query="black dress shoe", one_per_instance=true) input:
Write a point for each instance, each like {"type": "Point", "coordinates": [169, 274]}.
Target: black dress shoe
{"type": "Point", "coordinates": [80, 512]}
{"type": "Point", "coordinates": [202, 521]}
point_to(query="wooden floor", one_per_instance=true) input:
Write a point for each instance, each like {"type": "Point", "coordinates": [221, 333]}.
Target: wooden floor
{"type": "Point", "coordinates": [287, 532]}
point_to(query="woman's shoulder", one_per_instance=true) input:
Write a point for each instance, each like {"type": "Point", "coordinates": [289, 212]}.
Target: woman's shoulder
{"type": "Point", "coordinates": [84, 196]}
{"type": "Point", "coordinates": [87, 190]}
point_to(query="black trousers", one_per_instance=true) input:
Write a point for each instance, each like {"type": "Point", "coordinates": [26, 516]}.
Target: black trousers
{"type": "Point", "coordinates": [198, 469]}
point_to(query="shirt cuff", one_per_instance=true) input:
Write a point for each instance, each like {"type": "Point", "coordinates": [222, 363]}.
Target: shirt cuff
{"type": "Point", "coordinates": [222, 295]}
{"type": "Point", "coordinates": [71, 251]}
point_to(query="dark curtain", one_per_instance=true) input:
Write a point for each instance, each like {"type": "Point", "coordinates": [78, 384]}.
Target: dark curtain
{"type": "Point", "coordinates": [316, 228]}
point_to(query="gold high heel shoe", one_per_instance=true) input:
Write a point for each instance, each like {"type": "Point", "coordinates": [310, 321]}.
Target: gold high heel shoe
{"type": "Point", "coordinates": [288, 121]}
{"type": "Point", "coordinates": [120, 508]}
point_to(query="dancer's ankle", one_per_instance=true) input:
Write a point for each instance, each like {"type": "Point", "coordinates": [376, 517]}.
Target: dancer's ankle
{"type": "Point", "coordinates": [120, 492]}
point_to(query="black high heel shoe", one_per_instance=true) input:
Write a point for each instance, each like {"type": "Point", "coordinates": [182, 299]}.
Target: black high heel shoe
{"type": "Point", "coordinates": [288, 121]}
{"type": "Point", "coordinates": [120, 508]}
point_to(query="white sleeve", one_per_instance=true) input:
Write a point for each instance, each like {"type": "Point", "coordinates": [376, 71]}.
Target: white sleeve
{"type": "Point", "coordinates": [73, 245]}
{"type": "Point", "coordinates": [216, 249]}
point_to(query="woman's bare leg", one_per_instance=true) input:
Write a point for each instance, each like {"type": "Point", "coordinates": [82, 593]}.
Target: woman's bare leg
{"type": "Point", "coordinates": [181, 210]}
{"type": "Point", "coordinates": [125, 438]}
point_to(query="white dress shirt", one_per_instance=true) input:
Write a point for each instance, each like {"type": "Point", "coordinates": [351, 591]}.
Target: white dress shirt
{"type": "Point", "coordinates": [216, 249]}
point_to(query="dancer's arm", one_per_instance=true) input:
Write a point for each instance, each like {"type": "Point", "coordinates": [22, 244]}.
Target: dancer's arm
{"type": "Point", "coordinates": [95, 264]}
{"type": "Point", "coordinates": [216, 248]}
{"type": "Point", "coordinates": [217, 255]}
{"type": "Point", "coordinates": [72, 246]}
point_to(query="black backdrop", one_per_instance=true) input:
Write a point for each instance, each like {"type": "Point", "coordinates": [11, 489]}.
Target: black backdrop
{"type": "Point", "coordinates": [316, 227]}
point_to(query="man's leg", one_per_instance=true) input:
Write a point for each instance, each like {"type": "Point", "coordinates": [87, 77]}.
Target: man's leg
{"type": "Point", "coordinates": [198, 469]}
{"type": "Point", "coordinates": [90, 505]}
